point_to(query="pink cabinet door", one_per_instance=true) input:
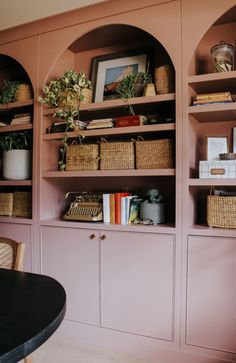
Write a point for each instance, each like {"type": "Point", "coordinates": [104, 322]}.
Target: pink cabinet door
{"type": "Point", "coordinates": [137, 283]}
{"type": "Point", "coordinates": [72, 257]}
{"type": "Point", "coordinates": [21, 233]}
{"type": "Point", "coordinates": [211, 293]}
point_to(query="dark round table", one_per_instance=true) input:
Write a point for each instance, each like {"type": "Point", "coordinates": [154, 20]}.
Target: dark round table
{"type": "Point", "coordinates": [32, 307]}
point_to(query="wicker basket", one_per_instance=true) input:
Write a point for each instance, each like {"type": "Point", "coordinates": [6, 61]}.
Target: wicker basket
{"type": "Point", "coordinates": [6, 204]}
{"type": "Point", "coordinates": [154, 154]}
{"type": "Point", "coordinates": [82, 157]}
{"type": "Point", "coordinates": [88, 94]}
{"type": "Point", "coordinates": [221, 211]}
{"type": "Point", "coordinates": [22, 204]}
{"type": "Point", "coordinates": [24, 92]}
{"type": "Point", "coordinates": [117, 155]}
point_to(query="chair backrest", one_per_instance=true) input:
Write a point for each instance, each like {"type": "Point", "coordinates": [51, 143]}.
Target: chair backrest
{"type": "Point", "coordinates": [11, 254]}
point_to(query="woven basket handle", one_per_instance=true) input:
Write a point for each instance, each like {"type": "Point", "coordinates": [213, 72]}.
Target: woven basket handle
{"type": "Point", "coordinates": [212, 190]}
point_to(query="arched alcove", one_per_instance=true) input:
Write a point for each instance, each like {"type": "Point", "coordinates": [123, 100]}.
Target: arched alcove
{"type": "Point", "coordinates": [223, 29]}
{"type": "Point", "coordinates": [12, 70]}
{"type": "Point", "coordinates": [110, 39]}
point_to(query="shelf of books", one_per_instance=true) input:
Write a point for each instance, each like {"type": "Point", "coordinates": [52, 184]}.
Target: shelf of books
{"type": "Point", "coordinates": [112, 131]}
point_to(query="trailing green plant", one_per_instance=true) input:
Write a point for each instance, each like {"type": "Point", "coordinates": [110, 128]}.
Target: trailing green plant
{"type": "Point", "coordinates": [65, 94]}
{"type": "Point", "coordinates": [128, 86]}
{"type": "Point", "coordinates": [16, 141]}
{"type": "Point", "coordinates": [8, 92]}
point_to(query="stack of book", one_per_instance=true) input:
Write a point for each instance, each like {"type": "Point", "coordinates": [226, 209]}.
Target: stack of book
{"type": "Point", "coordinates": [61, 126]}
{"type": "Point", "coordinates": [132, 120]}
{"type": "Point", "coordinates": [21, 118]}
{"type": "Point", "coordinates": [120, 208]}
{"type": "Point", "coordinates": [100, 124]}
{"type": "Point", "coordinates": [212, 98]}
{"type": "Point", "coordinates": [4, 123]}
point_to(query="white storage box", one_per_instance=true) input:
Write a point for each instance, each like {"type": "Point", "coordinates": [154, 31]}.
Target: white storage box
{"type": "Point", "coordinates": [217, 169]}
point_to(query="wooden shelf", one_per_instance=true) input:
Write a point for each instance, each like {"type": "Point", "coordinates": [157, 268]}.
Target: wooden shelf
{"type": "Point", "coordinates": [15, 183]}
{"type": "Point", "coordinates": [214, 82]}
{"type": "Point", "coordinates": [13, 105]}
{"type": "Point", "coordinates": [117, 103]}
{"type": "Point", "coordinates": [113, 131]}
{"type": "Point", "coordinates": [109, 173]}
{"type": "Point", "coordinates": [204, 230]}
{"type": "Point", "coordinates": [17, 220]}
{"type": "Point", "coordinates": [214, 113]}
{"type": "Point", "coordinates": [211, 182]}
{"type": "Point", "coordinates": [160, 228]}
{"type": "Point", "coordinates": [11, 128]}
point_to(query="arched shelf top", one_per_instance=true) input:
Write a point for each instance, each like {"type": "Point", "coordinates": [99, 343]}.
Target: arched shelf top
{"type": "Point", "coordinates": [223, 29]}
{"type": "Point", "coordinates": [105, 40]}
{"type": "Point", "coordinates": [12, 70]}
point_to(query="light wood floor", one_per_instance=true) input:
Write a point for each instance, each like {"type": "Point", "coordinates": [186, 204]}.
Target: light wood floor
{"type": "Point", "coordinates": [54, 351]}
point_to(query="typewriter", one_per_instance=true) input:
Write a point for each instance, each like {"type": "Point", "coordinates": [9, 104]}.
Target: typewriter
{"type": "Point", "coordinates": [85, 207]}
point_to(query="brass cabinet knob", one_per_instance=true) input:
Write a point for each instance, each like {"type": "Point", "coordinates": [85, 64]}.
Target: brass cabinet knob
{"type": "Point", "coordinates": [92, 236]}
{"type": "Point", "coordinates": [103, 236]}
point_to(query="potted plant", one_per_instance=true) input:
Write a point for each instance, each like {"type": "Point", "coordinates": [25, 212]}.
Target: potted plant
{"type": "Point", "coordinates": [8, 92]}
{"type": "Point", "coordinates": [16, 160]}
{"type": "Point", "coordinates": [132, 86]}
{"type": "Point", "coordinates": [65, 94]}
{"type": "Point", "coordinates": [13, 91]}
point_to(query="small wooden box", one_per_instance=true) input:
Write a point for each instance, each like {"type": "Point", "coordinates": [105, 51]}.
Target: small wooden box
{"type": "Point", "coordinates": [217, 169]}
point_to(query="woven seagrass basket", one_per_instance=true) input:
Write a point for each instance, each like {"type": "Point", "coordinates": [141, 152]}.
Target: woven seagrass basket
{"type": "Point", "coordinates": [82, 157]}
{"type": "Point", "coordinates": [154, 154]}
{"type": "Point", "coordinates": [117, 155]}
{"type": "Point", "coordinates": [221, 211]}
{"type": "Point", "coordinates": [22, 204]}
{"type": "Point", "coordinates": [24, 92]}
{"type": "Point", "coordinates": [68, 98]}
{"type": "Point", "coordinates": [6, 204]}
{"type": "Point", "coordinates": [88, 95]}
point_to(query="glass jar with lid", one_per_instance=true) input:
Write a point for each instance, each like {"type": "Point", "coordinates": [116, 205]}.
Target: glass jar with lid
{"type": "Point", "coordinates": [222, 57]}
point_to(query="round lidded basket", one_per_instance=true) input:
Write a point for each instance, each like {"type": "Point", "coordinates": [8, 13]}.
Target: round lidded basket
{"type": "Point", "coordinates": [222, 57]}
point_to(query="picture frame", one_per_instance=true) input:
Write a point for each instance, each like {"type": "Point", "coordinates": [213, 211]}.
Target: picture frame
{"type": "Point", "coordinates": [108, 70]}
{"type": "Point", "coordinates": [234, 139]}
{"type": "Point", "coordinates": [216, 145]}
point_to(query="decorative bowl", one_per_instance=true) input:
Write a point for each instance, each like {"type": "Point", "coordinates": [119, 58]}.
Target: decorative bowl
{"type": "Point", "coordinates": [227, 156]}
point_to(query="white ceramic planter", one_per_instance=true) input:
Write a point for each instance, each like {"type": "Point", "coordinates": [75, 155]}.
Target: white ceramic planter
{"type": "Point", "coordinates": [16, 164]}
{"type": "Point", "coordinates": [153, 211]}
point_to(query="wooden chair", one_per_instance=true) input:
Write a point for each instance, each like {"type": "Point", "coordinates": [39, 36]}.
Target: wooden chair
{"type": "Point", "coordinates": [11, 257]}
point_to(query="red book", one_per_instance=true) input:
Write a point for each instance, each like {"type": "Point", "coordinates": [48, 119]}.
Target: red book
{"type": "Point", "coordinates": [118, 206]}
{"type": "Point", "coordinates": [125, 121]}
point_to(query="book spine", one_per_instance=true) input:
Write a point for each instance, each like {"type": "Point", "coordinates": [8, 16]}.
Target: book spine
{"type": "Point", "coordinates": [123, 210]}
{"type": "Point", "coordinates": [112, 208]}
{"type": "Point", "coordinates": [106, 207]}
{"type": "Point", "coordinates": [118, 206]}
{"type": "Point", "coordinates": [125, 121]}
{"type": "Point", "coordinates": [205, 96]}
{"type": "Point", "coordinates": [210, 103]}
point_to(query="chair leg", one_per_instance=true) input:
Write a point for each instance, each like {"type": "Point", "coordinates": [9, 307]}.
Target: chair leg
{"type": "Point", "coordinates": [28, 359]}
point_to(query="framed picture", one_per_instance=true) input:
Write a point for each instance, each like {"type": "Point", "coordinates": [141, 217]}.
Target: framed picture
{"type": "Point", "coordinates": [216, 145]}
{"type": "Point", "coordinates": [108, 70]}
